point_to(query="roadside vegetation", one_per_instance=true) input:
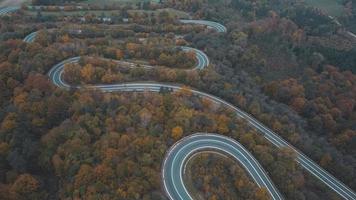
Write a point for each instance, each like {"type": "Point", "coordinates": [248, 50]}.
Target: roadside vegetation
{"type": "Point", "coordinates": [285, 63]}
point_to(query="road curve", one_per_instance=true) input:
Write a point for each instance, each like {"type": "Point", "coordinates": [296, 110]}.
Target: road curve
{"type": "Point", "coordinates": [336, 21]}
{"type": "Point", "coordinates": [30, 37]}
{"type": "Point", "coordinates": [177, 156]}
{"type": "Point", "coordinates": [217, 26]}
{"type": "Point", "coordinates": [56, 71]}
{"type": "Point", "coordinates": [7, 10]}
{"type": "Point", "coordinates": [351, 34]}
{"type": "Point", "coordinates": [55, 75]}
{"type": "Point", "coordinates": [201, 57]}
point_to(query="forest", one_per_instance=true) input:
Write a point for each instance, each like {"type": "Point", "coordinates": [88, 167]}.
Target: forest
{"type": "Point", "coordinates": [294, 74]}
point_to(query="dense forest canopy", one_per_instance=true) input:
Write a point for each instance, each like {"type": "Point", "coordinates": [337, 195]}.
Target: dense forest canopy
{"type": "Point", "coordinates": [287, 64]}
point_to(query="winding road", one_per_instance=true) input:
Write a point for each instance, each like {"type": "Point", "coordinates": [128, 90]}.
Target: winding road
{"type": "Point", "coordinates": [201, 57]}
{"type": "Point", "coordinates": [217, 26]}
{"type": "Point", "coordinates": [178, 154]}
{"type": "Point", "coordinates": [56, 71]}
{"type": "Point", "coordinates": [55, 75]}
{"type": "Point", "coordinates": [31, 37]}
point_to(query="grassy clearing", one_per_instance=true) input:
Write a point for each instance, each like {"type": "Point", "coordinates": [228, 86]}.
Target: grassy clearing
{"type": "Point", "coordinates": [332, 7]}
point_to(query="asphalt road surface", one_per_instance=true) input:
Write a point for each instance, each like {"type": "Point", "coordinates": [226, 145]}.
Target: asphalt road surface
{"type": "Point", "coordinates": [30, 38]}
{"type": "Point", "coordinates": [214, 25]}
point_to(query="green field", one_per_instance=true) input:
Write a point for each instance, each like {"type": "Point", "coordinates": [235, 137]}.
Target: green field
{"type": "Point", "coordinates": [332, 7]}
